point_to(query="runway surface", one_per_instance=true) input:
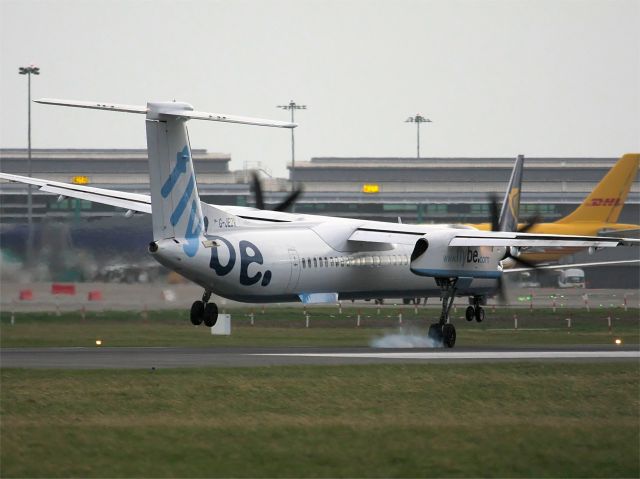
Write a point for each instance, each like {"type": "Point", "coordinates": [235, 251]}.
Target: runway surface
{"type": "Point", "coordinates": [161, 357]}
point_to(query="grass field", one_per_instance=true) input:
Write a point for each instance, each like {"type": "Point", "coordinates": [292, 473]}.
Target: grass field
{"type": "Point", "coordinates": [286, 327]}
{"type": "Point", "coordinates": [489, 420]}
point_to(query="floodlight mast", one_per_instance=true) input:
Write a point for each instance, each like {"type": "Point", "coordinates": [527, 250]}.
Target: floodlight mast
{"type": "Point", "coordinates": [417, 120]}
{"type": "Point", "coordinates": [292, 106]}
{"type": "Point", "coordinates": [29, 70]}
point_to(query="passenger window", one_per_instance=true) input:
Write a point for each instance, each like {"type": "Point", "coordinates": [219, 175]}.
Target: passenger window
{"type": "Point", "coordinates": [315, 263]}
{"type": "Point", "coordinates": [304, 263]}
{"type": "Point", "coordinates": [376, 260]}
{"type": "Point", "coordinates": [326, 262]}
{"type": "Point", "coordinates": [405, 260]}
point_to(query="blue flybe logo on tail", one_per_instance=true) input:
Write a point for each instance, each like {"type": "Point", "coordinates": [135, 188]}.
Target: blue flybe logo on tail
{"type": "Point", "coordinates": [194, 225]}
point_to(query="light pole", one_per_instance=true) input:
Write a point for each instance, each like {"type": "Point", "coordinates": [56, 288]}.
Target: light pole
{"type": "Point", "coordinates": [30, 70]}
{"type": "Point", "coordinates": [417, 120]}
{"type": "Point", "coordinates": [293, 106]}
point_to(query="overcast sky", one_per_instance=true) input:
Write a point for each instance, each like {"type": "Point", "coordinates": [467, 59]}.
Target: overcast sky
{"type": "Point", "coordinates": [543, 78]}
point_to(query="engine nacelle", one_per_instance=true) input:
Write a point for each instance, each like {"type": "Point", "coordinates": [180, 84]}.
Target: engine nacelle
{"type": "Point", "coordinates": [432, 256]}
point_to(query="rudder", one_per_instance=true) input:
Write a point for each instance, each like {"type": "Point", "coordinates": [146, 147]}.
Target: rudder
{"type": "Point", "coordinates": [175, 202]}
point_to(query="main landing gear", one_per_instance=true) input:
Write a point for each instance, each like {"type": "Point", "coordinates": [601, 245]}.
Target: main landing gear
{"type": "Point", "coordinates": [204, 311]}
{"type": "Point", "coordinates": [476, 311]}
{"type": "Point", "coordinates": [443, 331]}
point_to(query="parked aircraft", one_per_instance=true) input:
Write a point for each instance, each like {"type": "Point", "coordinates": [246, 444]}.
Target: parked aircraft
{"type": "Point", "coordinates": [598, 213]}
{"type": "Point", "coordinates": [255, 255]}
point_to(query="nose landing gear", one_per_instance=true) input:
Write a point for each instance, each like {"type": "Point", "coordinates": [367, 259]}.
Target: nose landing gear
{"type": "Point", "coordinates": [203, 311]}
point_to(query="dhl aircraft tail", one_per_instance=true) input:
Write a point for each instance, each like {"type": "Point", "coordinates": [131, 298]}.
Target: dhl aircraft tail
{"type": "Point", "coordinates": [605, 202]}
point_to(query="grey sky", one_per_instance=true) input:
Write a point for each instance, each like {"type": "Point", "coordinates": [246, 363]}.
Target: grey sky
{"type": "Point", "coordinates": [496, 77]}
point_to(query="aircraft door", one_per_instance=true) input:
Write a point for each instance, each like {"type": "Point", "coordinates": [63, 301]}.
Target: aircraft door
{"type": "Point", "coordinates": [294, 260]}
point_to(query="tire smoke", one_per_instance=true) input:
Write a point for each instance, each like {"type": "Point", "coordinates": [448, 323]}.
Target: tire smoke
{"type": "Point", "coordinates": [405, 340]}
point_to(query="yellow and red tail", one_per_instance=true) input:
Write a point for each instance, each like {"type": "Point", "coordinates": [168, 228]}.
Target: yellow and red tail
{"type": "Point", "coordinates": [605, 202]}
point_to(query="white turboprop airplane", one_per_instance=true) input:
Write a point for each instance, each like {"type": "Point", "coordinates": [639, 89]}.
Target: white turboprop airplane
{"type": "Point", "coordinates": [254, 255]}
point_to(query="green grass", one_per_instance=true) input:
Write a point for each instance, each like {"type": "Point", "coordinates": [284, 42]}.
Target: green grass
{"type": "Point", "coordinates": [286, 327]}
{"type": "Point", "coordinates": [489, 420]}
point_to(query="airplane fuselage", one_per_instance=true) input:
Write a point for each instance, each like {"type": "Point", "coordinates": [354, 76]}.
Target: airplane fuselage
{"type": "Point", "coordinates": [281, 264]}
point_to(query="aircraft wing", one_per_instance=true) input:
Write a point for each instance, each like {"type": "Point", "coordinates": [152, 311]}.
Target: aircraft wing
{"type": "Point", "coordinates": [120, 199]}
{"type": "Point", "coordinates": [409, 234]}
{"type": "Point", "coordinates": [574, 265]}
{"type": "Point", "coordinates": [395, 233]}
{"type": "Point", "coordinates": [135, 201]}
{"type": "Point", "coordinates": [631, 232]}
{"type": "Point", "coordinates": [506, 239]}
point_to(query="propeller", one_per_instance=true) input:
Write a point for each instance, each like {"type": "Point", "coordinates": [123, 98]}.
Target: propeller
{"type": "Point", "coordinates": [511, 252]}
{"type": "Point", "coordinates": [285, 205]}
{"type": "Point", "coordinates": [530, 223]}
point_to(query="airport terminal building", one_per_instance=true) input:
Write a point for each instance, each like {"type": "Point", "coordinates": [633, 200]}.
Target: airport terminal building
{"type": "Point", "coordinates": [425, 190]}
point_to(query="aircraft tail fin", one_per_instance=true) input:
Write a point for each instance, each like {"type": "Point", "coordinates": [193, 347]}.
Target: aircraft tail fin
{"type": "Point", "coordinates": [607, 199]}
{"type": "Point", "coordinates": [510, 211]}
{"type": "Point", "coordinates": [175, 204]}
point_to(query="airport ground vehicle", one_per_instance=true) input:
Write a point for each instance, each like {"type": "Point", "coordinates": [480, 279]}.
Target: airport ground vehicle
{"type": "Point", "coordinates": [571, 278]}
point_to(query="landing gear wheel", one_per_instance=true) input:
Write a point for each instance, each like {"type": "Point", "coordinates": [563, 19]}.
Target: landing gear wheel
{"type": "Point", "coordinates": [479, 314]}
{"type": "Point", "coordinates": [470, 313]}
{"type": "Point", "coordinates": [210, 315]}
{"type": "Point", "coordinates": [448, 335]}
{"type": "Point", "coordinates": [197, 313]}
{"type": "Point", "coordinates": [435, 333]}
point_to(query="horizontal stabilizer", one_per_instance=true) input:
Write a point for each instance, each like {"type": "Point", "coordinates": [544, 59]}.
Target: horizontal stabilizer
{"type": "Point", "coordinates": [156, 111]}
{"type": "Point", "coordinates": [201, 115]}
{"type": "Point", "coordinates": [94, 105]}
